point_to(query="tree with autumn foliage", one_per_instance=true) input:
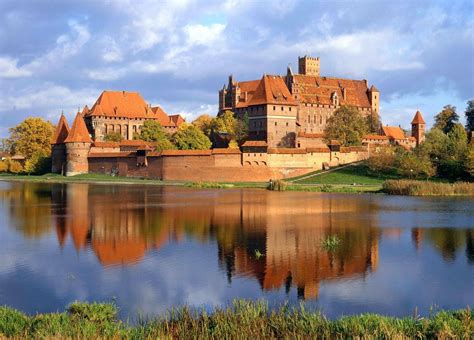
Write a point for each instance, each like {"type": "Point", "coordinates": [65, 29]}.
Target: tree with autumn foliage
{"type": "Point", "coordinates": [347, 126]}
{"type": "Point", "coordinates": [189, 137]}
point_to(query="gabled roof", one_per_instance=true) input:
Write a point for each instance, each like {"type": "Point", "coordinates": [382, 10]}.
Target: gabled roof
{"type": "Point", "coordinates": [61, 132]}
{"type": "Point", "coordinates": [373, 89]}
{"type": "Point", "coordinates": [319, 90]}
{"type": "Point", "coordinates": [393, 132]}
{"type": "Point", "coordinates": [247, 90]}
{"type": "Point", "coordinates": [177, 119]}
{"type": "Point", "coordinates": [418, 119]}
{"type": "Point", "coordinates": [121, 104]}
{"type": "Point", "coordinates": [78, 132]}
{"type": "Point", "coordinates": [162, 117]}
{"type": "Point", "coordinates": [255, 143]}
{"type": "Point", "coordinates": [272, 90]}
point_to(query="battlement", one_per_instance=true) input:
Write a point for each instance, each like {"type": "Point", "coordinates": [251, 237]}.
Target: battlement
{"type": "Point", "coordinates": [308, 66]}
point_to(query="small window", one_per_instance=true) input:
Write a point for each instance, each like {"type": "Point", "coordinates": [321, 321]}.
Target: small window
{"type": "Point", "coordinates": [286, 123]}
{"type": "Point", "coordinates": [282, 108]}
{"type": "Point", "coordinates": [275, 123]}
{"type": "Point", "coordinates": [274, 108]}
{"type": "Point", "coordinates": [289, 109]}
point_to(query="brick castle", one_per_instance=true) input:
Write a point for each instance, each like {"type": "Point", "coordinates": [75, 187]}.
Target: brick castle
{"type": "Point", "coordinates": [286, 120]}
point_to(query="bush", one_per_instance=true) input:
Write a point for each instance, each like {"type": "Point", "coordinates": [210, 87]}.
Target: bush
{"type": "Point", "coordinates": [14, 167]}
{"type": "Point", "coordinates": [4, 166]}
{"type": "Point", "coordinates": [278, 185]}
{"type": "Point", "coordinates": [39, 163]}
{"type": "Point", "coordinates": [383, 161]}
{"type": "Point", "coordinates": [411, 166]}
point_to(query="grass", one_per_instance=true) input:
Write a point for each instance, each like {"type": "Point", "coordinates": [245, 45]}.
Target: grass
{"type": "Point", "coordinates": [428, 188]}
{"type": "Point", "coordinates": [330, 243]}
{"type": "Point", "coordinates": [242, 320]}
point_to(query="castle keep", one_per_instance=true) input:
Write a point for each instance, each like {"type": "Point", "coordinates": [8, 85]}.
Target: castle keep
{"type": "Point", "coordinates": [283, 110]}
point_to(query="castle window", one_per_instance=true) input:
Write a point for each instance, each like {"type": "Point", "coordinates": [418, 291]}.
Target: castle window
{"type": "Point", "coordinates": [282, 108]}
{"type": "Point", "coordinates": [274, 108]}
{"type": "Point", "coordinates": [275, 123]}
{"type": "Point", "coordinates": [321, 120]}
{"type": "Point", "coordinates": [289, 109]}
{"type": "Point", "coordinates": [286, 123]}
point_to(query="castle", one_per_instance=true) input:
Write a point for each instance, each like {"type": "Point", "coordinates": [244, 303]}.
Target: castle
{"type": "Point", "coordinates": [286, 119]}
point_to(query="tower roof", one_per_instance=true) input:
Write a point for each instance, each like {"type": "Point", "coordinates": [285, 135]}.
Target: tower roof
{"type": "Point", "coordinates": [272, 90]}
{"type": "Point", "coordinates": [61, 132]}
{"type": "Point", "coordinates": [373, 89]}
{"type": "Point", "coordinates": [418, 119]}
{"type": "Point", "coordinates": [78, 132]}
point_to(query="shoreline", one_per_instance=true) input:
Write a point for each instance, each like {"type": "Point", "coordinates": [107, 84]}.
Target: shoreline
{"type": "Point", "coordinates": [242, 319]}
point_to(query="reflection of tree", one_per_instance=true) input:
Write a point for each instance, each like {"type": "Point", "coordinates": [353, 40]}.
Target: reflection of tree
{"type": "Point", "coordinates": [448, 241]}
{"type": "Point", "coordinates": [470, 246]}
{"type": "Point", "coordinates": [29, 205]}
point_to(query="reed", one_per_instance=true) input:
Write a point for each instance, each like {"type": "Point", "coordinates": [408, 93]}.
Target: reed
{"type": "Point", "coordinates": [428, 188]}
{"type": "Point", "coordinates": [278, 185]}
{"type": "Point", "coordinates": [242, 320]}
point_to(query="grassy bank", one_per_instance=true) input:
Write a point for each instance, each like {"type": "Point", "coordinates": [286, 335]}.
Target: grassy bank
{"type": "Point", "coordinates": [428, 188]}
{"type": "Point", "coordinates": [243, 320]}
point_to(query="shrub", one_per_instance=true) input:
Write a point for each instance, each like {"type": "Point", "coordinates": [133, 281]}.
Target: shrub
{"type": "Point", "coordinates": [14, 167]}
{"type": "Point", "coordinates": [383, 161]}
{"type": "Point", "coordinates": [278, 185]}
{"type": "Point", "coordinates": [4, 166]}
{"type": "Point", "coordinates": [39, 163]}
{"type": "Point", "coordinates": [425, 188]}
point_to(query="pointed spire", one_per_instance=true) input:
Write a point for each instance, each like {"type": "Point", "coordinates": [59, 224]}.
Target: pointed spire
{"type": "Point", "coordinates": [61, 132]}
{"type": "Point", "coordinates": [78, 132]}
{"type": "Point", "coordinates": [373, 89]}
{"type": "Point", "coordinates": [418, 119]}
{"type": "Point", "coordinates": [85, 110]}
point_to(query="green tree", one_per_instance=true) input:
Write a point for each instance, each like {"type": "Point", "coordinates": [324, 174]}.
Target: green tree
{"type": "Point", "coordinates": [113, 137]}
{"type": "Point", "coordinates": [469, 162]}
{"type": "Point", "coordinates": [346, 125]}
{"type": "Point", "coordinates": [373, 122]}
{"type": "Point", "coordinates": [151, 131]}
{"type": "Point", "coordinates": [435, 146]}
{"type": "Point", "coordinates": [446, 119]}
{"type": "Point", "coordinates": [413, 166]}
{"type": "Point", "coordinates": [227, 123]}
{"type": "Point", "coordinates": [39, 163]}
{"type": "Point", "coordinates": [457, 142]}
{"type": "Point", "coordinates": [30, 136]}
{"type": "Point", "coordinates": [470, 115]}
{"type": "Point", "coordinates": [383, 161]}
{"type": "Point", "coordinates": [189, 137]}
{"type": "Point", "coordinates": [164, 144]}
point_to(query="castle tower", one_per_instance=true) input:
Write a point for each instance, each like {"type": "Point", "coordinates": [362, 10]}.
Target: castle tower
{"type": "Point", "coordinates": [418, 128]}
{"type": "Point", "coordinates": [78, 144]}
{"type": "Point", "coordinates": [374, 96]}
{"type": "Point", "coordinates": [58, 148]}
{"type": "Point", "coordinates": [308, 66]}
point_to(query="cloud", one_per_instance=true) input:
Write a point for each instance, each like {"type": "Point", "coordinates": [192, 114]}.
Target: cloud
{"type": "Point", "coordinates": [9, 68]}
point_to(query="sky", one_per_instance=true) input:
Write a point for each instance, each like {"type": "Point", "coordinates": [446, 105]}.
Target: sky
{"type": "Point", "coordinates": [60, 55]}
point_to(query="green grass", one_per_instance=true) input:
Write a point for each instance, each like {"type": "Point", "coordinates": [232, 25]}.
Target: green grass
{"type": "Point", "coordinates": [358, 174]}
{"type": "Point", "coordinates": [243, 320]}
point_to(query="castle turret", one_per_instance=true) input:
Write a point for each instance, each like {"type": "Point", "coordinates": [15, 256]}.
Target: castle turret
{"type": "Point", "coordinates": [374, 96]}
{"type": "Point", "coordinates": [418, 128]}
{"type": "Point", "coordinates": [78, 144]}
{"type": "Point", "coordinates": [58, 148]}
{"type": "Point", "coordinates": [308, 66]}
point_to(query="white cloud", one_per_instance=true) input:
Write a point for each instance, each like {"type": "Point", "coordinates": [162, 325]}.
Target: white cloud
{"type": "Point", "coordinates": [203, 35]}
{"type": "Point", "coordinates": [111, 50]}
{"type": "Point", "coordinates": [9, 68]}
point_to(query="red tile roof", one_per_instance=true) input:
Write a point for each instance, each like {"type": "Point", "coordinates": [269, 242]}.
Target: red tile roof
{"type": "Point", "coordinates": [78, 132]}
{"type": "Point", "coordinates": [186, 152]}
{"type": "Point", "coordinates": [393, 132]}
{"type": "Point", "coordinates": [418, 119]}
{"type": "Point", "coordinates": [61, 132]}
{"type": "Point", "coordinates": [286, 151]}
{"type": "Point", "coordinates": [272, 90]}
{"type": "Point", "coordinates": [254, 143]}
{"type": "Point", "coordinates": [106, 144]}
{"type": "Point", "coordinates": [247, 90]}
{"type": "Point", "coordinates": [318, 90]}
{"type": "Point", "coordinates": [177, 120]}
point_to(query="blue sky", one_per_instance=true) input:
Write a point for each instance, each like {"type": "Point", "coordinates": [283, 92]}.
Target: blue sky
{"type": "Point", "coordinates": [60, 55]}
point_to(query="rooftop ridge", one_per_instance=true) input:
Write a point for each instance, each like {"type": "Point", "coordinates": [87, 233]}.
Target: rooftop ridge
{"type": "Point", "coordinates": [78, 132]}
{"type": "Point", "coordinates": [61, 132]}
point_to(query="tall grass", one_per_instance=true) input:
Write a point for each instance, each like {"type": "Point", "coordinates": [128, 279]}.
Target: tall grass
{"type": "Point", "coordinates": [278, 185]}
{"type": "Point", "coordinates": [242, 320]}
{"type": "Point", "coordinates": [427, 188]}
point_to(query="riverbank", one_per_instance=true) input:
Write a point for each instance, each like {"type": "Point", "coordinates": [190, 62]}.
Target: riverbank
{"type": "Point", "coordinates": [243, 320]}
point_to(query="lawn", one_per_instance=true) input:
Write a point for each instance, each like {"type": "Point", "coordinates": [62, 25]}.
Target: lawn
{"type": "Point", "coordinates": [356, 174]}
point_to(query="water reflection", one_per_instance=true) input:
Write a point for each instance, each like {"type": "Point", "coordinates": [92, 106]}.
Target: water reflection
{"type": "Point", "coordinates": [121, 224]}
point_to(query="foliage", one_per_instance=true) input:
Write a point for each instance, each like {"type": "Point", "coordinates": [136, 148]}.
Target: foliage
{"type": "Point", "coordinates": [14, 167]}
{"type": "Point", "coordinates": [383, 161]}
{"type": "Point", "coordinates": [373, 122]}
{"type": "Point", "coordinates": [39, 163]}
{"type": "Point", "coordinates": [278, 185]}
{"type": "Point", "coordinates": [3, 166]}
{"type": "Point", "coordinates": [469, 163]}
{"type": "Point", "coordinates": [151, 131]}
{"type": "Point", "coordinates": [204, 123]}
{"type": "Point", "coordinates": [227, 123]}
{"type": "Point", "coordinates": [330, 243]}
{"type": "Point", "coordinates": [412, 166]}
{"type": "Point", "coordinates": [427, 188]}
{"type": "Point", "coordinates": [164, 144]}
{"type": "Point", "coordinates": [189, 137]}
{"type": "Point", "coordinates": [347, 126]}
{"type": "Point", "coordinates": [233, 145]}
{"type": "Point", "coordinates": [470, 115]}
{"type": "Point", "coordinates": [446, 119]}
{"type": "Point", "coordinates": [243, 319]}
{"type": "Point", "coordinates": [30, 136]}
{"type": "Point", "coordinates": [113, 137]}
{"type": "Point", "coordinates": [457, 142]}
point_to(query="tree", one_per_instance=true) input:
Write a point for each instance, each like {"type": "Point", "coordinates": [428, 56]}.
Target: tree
{"type": "Point", "coordinates": [347, 126]}
{"type": "Point", "coordinates": [151, 131]}
{"type": "Point", "coordinates": [113, 137]}
{"type": "Point", "coordinates": [457, 142]}
{"type": "Point", "coordinates": [409, 165]}
{"type": "Point", "coordinates": [38, 163]}
{"type": "Point", "coordinates": [469, 163]}
{"type": "Point", "coordinates": [446, 119]}
{"type": "Point", "coordinates": [204, 123]}
{"type": "Point", "coordinates": [164, 144]}
{"type": "Point", "coordinates": [30, 136]}
{"type": "Point", "coordinates": [227, 123]}
{"type": "Point", "coordinates": [373, 122]}
{"type": "Point", "coordinates": [383, 161]}
{"type": "Point", "coordinates": [435, 145]}
{"type": "Point", "coordinates": [189, 137]}
{"type": "Point", "coordinates": [470, 115]}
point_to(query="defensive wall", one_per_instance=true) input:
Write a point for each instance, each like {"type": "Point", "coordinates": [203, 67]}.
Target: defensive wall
{"type": "Point", "coordinates": [220, 165]}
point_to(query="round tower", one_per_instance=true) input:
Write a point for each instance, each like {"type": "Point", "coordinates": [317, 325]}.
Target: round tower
{"type": "Point", "coordinates": [78, 144]}
{"type": "Point", "coordinates": [58, 148]}
{"type": "Point", "coordinates": [418, 128]}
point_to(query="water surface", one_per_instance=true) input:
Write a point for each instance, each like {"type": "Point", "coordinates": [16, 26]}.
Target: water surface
{"type": "Point", "coordinates": [150, 248]}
